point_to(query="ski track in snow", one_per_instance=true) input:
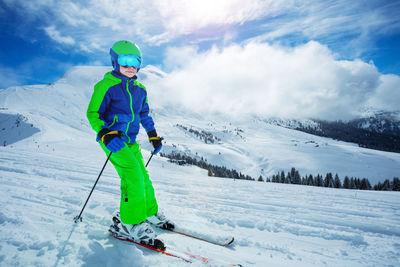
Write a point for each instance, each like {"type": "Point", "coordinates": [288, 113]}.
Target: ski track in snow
{"type": "Point", "coordinates": [273, 224]}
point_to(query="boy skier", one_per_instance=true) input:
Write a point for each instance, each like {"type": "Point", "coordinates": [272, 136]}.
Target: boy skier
{"type": "Point", "coordinates": [118, 106]}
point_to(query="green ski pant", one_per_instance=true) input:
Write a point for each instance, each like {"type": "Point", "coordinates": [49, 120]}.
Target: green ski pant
{"type": "Point", "coordinates": [138, 201]}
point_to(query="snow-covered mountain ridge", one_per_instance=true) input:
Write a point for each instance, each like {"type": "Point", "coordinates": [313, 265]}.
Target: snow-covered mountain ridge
{"type": "Point", "coordinates": [380, 122]}
{"type": "Point", "coordinates": [380, 131]}
{"type": "Point", "coordinates": [251, 145]}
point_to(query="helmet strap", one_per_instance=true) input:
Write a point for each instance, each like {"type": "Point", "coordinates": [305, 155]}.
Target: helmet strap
{"type": "Point", "coordinates": [114, 60]}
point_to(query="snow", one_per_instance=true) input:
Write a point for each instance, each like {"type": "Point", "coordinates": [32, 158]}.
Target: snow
{"type": "Point", "coordinates": [46, 176]}
{"type": "Point", "coordinates": [273, 224]}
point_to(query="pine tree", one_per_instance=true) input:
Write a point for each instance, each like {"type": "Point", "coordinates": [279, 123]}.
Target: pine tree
{"type": "Point", "coordinates": [386, 185]}
{"type": "Point", "coordinates": [319, 181]}
{"type": "Point", "coordinates": [310, 180]}
{"type": "Point", "coordinates": [378, 186]}
{"type": "Point", "coordinates": [357, 183]}
{"type": "Point", "coordinates": [292, 173]}
{"type": "Point", "coordinates": [346, 182]}
{"type": "Point", "coordinates": [365, 185]}
{"type": "Point", "coordinates": [260, 179]}
{"type": "Point", "coordinates": [396, 184]}
{"type": "Point", "coordinates": [328, 182]}
{"type": "Point", "coordinates": [352, 183]}
{"type": "Point", "coordinates": [331, 185]}
{"type": "Point", "coordinates": [282, 180]}
{"type": "Point", "coordinates": [288, 179]}
{"type": "Point", "coordinates": [337, 183]}
{"type": "Point", "coordinates": [296, 177]}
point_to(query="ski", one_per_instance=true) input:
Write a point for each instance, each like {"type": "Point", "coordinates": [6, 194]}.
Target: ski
{"type": "Point", "coordinates": [185, 256]}
{"type": "Point", "coordinates": [220, 241]}
{"type": "Point", "coordinates": [207, 260]}
{"type": "Point", "coordinates": [165, 252]}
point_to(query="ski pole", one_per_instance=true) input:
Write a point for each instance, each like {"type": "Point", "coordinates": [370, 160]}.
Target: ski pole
{"type": "Point", "coordinates": [79, 218]}
{"type": "Point", "coordinates": [152, 154]}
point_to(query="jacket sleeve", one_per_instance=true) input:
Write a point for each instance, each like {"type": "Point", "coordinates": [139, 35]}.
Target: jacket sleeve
{"type": "Point", "coordinates": [145, 119]}
{"type": "Point", "coordinates": [97, 106]}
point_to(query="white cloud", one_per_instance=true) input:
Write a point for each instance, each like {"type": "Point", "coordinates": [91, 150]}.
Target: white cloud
{"type": "Point", "coordinates": [156, 22]}
{"type": "Point", "coordinates": [54, 34]}
{"type": "Point", "coordinates": [183, 17]}
{"type": "Point", "coordinates": [267, 80]}
{"type": "Point", "coordinates": [350, 25]}
{"type": "Point", "coordinates": [253, 78]}
{"type": "Point", "coordinates": [387, 94]}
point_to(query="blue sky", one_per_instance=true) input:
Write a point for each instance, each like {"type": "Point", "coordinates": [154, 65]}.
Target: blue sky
{"type": "Point", "coordinates": [42, 39]}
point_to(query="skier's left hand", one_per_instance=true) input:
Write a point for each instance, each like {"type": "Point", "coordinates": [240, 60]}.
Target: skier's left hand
{"type": "Point", "coordinates": [155, 141]}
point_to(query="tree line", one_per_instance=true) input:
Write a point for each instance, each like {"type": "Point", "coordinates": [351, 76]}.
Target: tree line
{"type": "Point", "coordinates": [213, 170]}
{"type": "Point", "coordinates": [291, 177]}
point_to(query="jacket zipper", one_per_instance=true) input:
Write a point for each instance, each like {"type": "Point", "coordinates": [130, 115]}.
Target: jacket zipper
{"type": "Point", "coordinates": [133, 114]}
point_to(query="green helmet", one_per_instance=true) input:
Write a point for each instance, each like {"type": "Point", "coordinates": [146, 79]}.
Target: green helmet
{"type": "Point", "coordinates": [124, 48]}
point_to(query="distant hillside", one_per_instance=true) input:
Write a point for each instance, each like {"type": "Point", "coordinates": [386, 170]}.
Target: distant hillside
{"type": "Point", "coordinates": [380, 131]}
{"type": "Point", "coordinates": [347, 132]}
{"type": "Point", "coordinates": [380, 122]}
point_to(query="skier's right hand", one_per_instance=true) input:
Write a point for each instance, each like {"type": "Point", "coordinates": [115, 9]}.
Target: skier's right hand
{"type": "Point", "coordinates": [111, 139]}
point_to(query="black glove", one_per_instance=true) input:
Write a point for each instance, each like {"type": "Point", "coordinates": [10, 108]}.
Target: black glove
{"type": "Point", "coordinates": [111, 139]}
{"type": "Point", "coordinates": [155, 141]}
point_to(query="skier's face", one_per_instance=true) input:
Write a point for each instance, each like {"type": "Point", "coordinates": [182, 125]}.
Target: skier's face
{"type": "Point", "coordinates": [128, 72]}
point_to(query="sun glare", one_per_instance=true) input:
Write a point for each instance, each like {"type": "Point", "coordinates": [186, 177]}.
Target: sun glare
{"type": "Point", "coordinates": [192, 15]}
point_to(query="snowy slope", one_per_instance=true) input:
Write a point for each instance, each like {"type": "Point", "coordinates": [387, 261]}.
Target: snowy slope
{"type": "Point", "coordinates": [46, 176]}
{"type": "Point", "coordinates": [274, 224]}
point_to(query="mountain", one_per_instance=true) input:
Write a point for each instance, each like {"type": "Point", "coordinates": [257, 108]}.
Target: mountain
{"type": "Point", "coordinates": [380, 122]}
{"type": "Point", "coordinates": [355, 131]}
{"type": "Point", "coordinates": [47, 172]}
{"type": "Point", "coordinates": [380, 131]}
{"type": "Point", "coordinates": [251, 145]}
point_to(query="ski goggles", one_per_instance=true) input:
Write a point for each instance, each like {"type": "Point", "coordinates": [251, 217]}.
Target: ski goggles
{"type": "Point", "coordinates": [129, 61]}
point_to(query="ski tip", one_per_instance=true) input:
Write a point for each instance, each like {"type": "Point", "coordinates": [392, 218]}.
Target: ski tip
{"type": "Point", "coordinates": [230, 241]}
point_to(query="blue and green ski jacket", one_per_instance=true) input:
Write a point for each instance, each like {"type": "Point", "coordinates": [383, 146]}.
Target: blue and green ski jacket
{"type": "Point", "coordinates": [119, 104]}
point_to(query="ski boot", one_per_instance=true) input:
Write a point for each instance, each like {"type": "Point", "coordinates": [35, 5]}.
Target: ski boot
{"type": "Point", "coordinates": [159, 220]}
{"type": "Point", "coordinates": [141, 233]}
